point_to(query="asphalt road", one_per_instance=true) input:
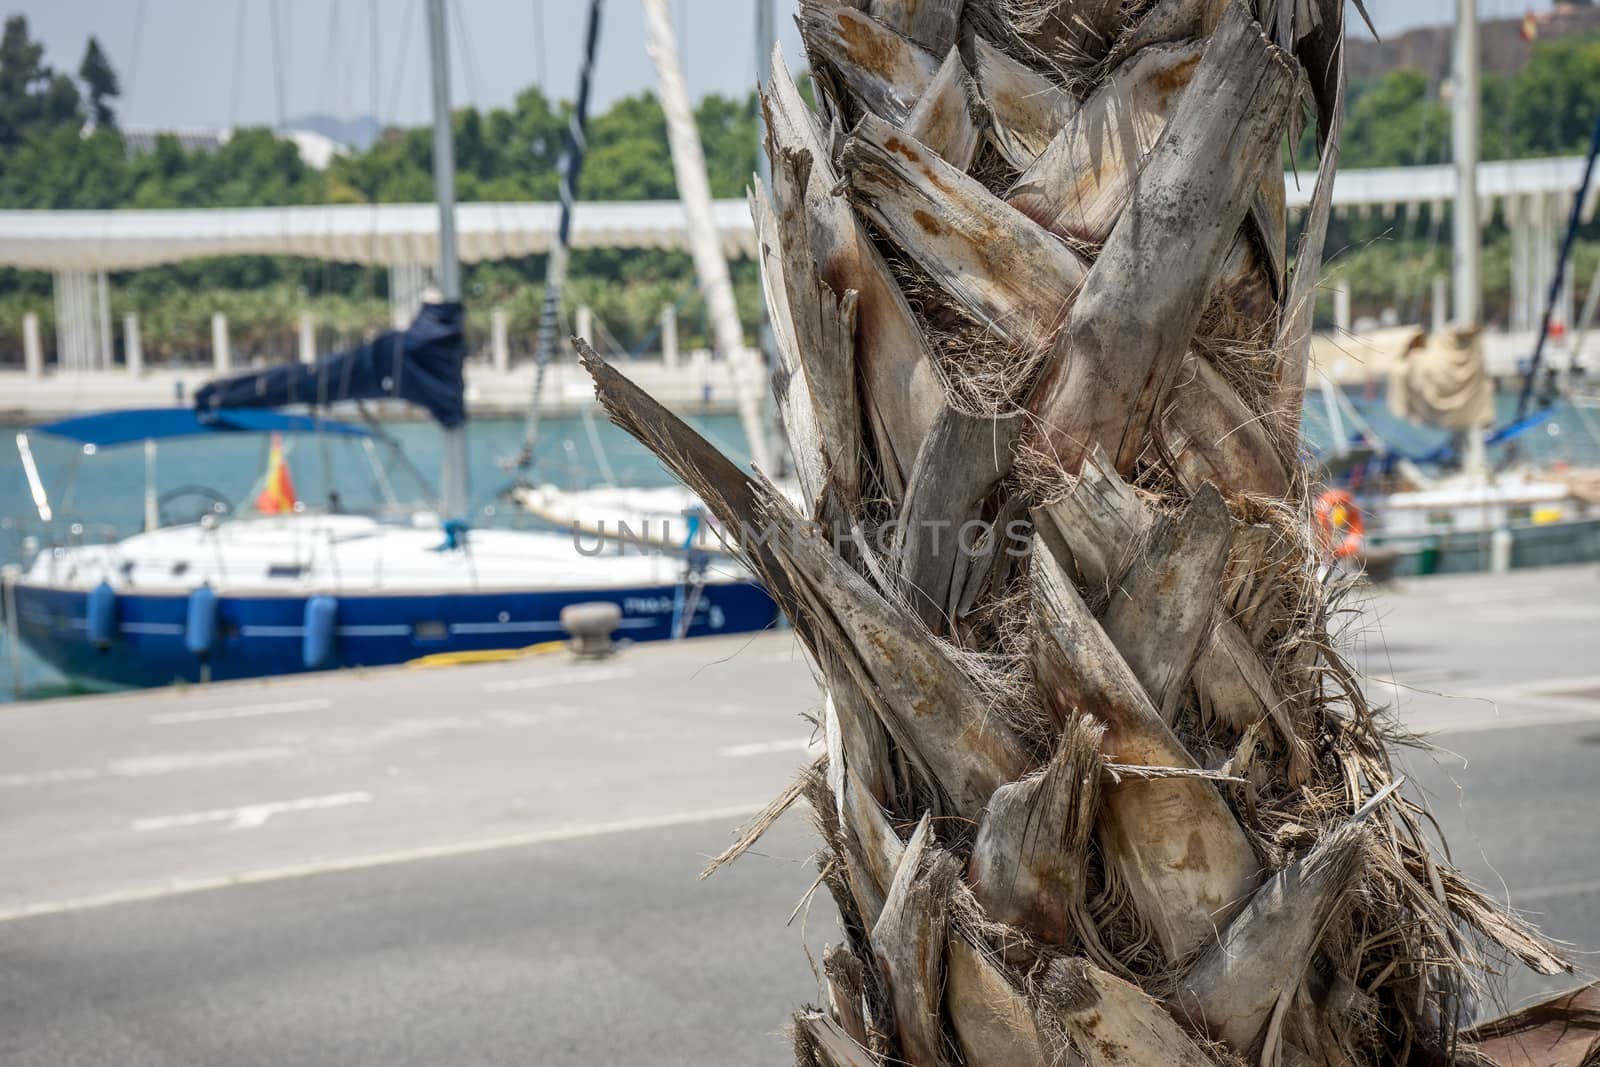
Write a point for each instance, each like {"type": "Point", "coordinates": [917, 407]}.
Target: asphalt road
{"type": "Point", "coordinates": [496, 864]}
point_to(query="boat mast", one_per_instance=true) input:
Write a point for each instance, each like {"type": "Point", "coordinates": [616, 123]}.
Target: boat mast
{"type": "Point", "coordinates": [766, 38]}
{"type": "Point", "coordinates": [766, 41]}
{"type": "Point", "coordinates": [689, 165]}
{"type": "Point", "coordinates": [453, 478]}
{"type": "Point", "coordinates": [1466, 100]}
{"type": "Point", "coordinates": [569, 167]}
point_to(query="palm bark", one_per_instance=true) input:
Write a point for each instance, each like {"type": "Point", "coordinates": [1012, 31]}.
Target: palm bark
{"type": "Point", "coordinates": [1098, 788]}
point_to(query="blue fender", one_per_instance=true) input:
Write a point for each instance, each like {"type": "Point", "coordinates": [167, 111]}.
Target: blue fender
{"type": "Point", "coordinates": [102, 612]}
{"type": "Point", "coordinates": [200, 629]}
{"type": "Point", "coordinates": [321, 631]}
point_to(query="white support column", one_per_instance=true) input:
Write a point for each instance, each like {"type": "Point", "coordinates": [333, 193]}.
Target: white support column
{"type": "Point", "coordinates": [69, 324]}
{"type": "Point", "coordinates": [88, 323]}
{"type": "Point", "coordinates": [1567, 312]}
{"type": "Point", "coordinates": [132, 345]}
{"type": "Point", "coordinates": [406, 284]}
{"type": "Point", "coordinates": [1533, 298]}
{"type": "Point", "coordinates": [1557, 213]}
{"type": "Point", "coordinates": [58, 293]}
{"type": "Point", "coordinates": [499, 343]}
{"type": "Point", "coordinates": [32, 350]}
{"type": "Point", "coordinates": [1549, 252]}
{"type": "Point", "coordinates": [1341, 306]}
{"type": "Point", "coordinates": [1519, 225]}
{"type": "Point", "coordinates": [308, 338]}
{"type": "Point", "coordinates": [221, 356]}
{"type": "Point", "coordinates": [583, 324]}
{"type": "Point", "coordinates": [107, 342]}
{"type": "Point", "coordinates": [1441, 303]}
{"type": "Point", "coordinates": [80, 324]}
{"type": "Point", "coordinates": [669, 337]}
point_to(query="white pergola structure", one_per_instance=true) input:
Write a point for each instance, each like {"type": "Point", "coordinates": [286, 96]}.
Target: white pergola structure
{"type": "Point", "coordinates": [1533, 196]}
{"type": "Point", "coordinates": [81, 247]}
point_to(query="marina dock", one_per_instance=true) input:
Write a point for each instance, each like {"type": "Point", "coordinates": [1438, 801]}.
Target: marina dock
{"type": "Point", "coordinates": [496, 862]}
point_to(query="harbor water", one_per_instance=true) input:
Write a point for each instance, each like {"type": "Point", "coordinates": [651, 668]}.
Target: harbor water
{"type": "Point", "coordinates": [104, 494]}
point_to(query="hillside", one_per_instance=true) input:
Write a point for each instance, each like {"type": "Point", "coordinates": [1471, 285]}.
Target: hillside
{"type": "Point", "coordinates": [1428, 48]}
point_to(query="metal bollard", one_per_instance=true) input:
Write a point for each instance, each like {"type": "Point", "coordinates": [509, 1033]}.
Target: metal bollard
{"type": "Point", "coordinates": [1500, 544]}
{"type": "Point", "coordinates": [591, 625]}
{"type": "Point", "coordinates": [10, 574]}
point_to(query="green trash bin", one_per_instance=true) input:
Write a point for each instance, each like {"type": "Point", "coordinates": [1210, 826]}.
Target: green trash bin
{"type": "Point", "coordinates": [1428, 557]}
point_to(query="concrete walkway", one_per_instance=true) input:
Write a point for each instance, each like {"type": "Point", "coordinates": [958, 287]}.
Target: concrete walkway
{"type": "Point", "coordinates": [495, 864]}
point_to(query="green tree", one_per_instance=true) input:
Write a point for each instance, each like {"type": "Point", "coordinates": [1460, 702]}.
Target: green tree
{"type": "Point", "coordinates": [628, 156]}
{"type": "Point", "coordinates": [31, 93]}
{"type": "Point", "coordinates": [102, 85]}
{"type": "Point", "coordinates": [1553, 100]}
{"type": "Point", "coordinates": [1395, 121]}
{"type": "Point", "coordinates": [730, 135]}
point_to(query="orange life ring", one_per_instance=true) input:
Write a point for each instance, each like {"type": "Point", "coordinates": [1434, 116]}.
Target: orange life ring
{"type": "Point", "coordinates": [1340, 523]}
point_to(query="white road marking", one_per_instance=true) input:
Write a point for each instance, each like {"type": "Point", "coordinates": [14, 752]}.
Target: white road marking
{"type": "Point", "coordinates": [575, 832]}
{"type": "Point", "coordinates": [1520, 897]}
{"type": "Point", "coordinates": [147, 766]}
{"type": "Point", "coordinates": [537, 717]}
{"type": "Point", "coordinates": [244, 711]}
{"type": "Point", "coordinates": [413, 730]}
{"type": "Point", "coordinates": [159, 763]}
{"type": "Point", "coordinates": [1409, 679]}
{"type": "Point", "coordinates": [55, 777]}
{"type": "Point", "coordinates": [545, 681]}
{"type": "Point", "coordinates": [250, 816]}
{"type": "Point", "coordinates": [1501, 596]}
{"type": "Point", "coordinates": [763, 748]}
{"type": "Point", "coordinates": [794, 655]}
{"type": "Point", "coordinates": [1564, 694]}
{"type": "Point", "coordinates": [1561, 688]}
{"type": "Point", "coordinates": [1539, 610]}
{"type": "Point", "coordinates": [1506, 722]}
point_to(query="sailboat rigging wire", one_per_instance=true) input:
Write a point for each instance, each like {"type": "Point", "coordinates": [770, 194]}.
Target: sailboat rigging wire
{"type": "Point", "coordinates": [331, 69]}
{"type": "Point", "coordinates": [277, 63]}
{"type": "Point", "coordinates": [469, 56]}
{"type": "Point", "coordinates": [238, 64]}
{"type": "Point", "coordinates": [401, 67]}
{"type": "Point", "coordinates": [601, 460]}
{"type": "Point", "coordinates": [570, 168]}
{"type": "Point", "coordinates": [1413, 223]}
{"type": "Point", "coordinates": [133, 52]}
{"type": "Point", "coordinates": [1586, 320]}
{"type": "Point", "coordinates": [1560, 277]}
{"type": "Point", "coordinates": [375, 76]}
{"type": "Point", "coordinates": [538, 48]}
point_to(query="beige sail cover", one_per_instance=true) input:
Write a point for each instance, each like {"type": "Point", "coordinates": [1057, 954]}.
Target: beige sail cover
{"type": "Point", "coordinates": [1440, 381]}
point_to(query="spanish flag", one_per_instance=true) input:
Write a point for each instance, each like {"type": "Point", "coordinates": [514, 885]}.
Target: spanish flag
{"type": "Point", "coordinates": [277, 495]}
{"type": "Point", "coordinates": [1530, 28]}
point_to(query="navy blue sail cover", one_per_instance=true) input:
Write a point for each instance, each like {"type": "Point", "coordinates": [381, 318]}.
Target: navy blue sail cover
{"type": "Point", "coordinates": [420, 364]}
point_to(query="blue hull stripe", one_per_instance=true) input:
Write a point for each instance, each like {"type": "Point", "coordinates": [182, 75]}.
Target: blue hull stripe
{"type": "Point", "coordinates": [504, 627]}
{"type": "Point", "coordinates": [254, 633]}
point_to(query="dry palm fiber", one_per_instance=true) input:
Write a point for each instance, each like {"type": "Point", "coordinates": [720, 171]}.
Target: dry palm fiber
{"type": "Point", "coordinates": [1098, 786]}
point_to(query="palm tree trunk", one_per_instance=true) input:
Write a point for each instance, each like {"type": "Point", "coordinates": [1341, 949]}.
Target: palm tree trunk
{"type": "Point", "coordinates": [1098, 788]}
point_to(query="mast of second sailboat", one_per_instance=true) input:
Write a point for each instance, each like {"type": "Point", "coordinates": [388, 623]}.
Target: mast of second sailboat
{"type": "Point", "coordinates": [453, 477]}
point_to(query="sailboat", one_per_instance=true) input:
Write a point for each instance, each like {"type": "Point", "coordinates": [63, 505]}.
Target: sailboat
{"type": "Point", "coordinates": [282, 584]}
{"type": "Point", "coordinates": [628, 515]}
{"type": "Point", "coordinates": [1472, 517]}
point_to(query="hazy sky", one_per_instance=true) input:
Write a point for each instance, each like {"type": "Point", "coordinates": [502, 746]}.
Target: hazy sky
{"type": "Point", "coordinates": [212, 62]}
